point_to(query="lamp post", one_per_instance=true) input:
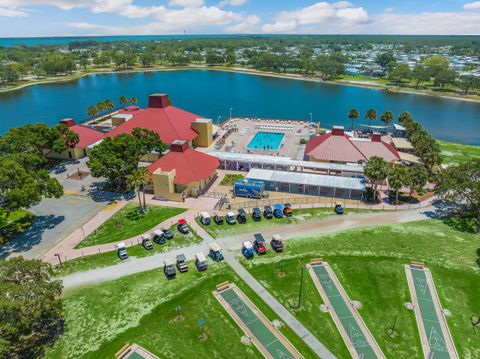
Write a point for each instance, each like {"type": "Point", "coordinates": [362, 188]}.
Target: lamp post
{"type": "Point", "coordinates": [297, 307]}
{"type": "Point", "coordinates": [230, 112]}
{"type": "Point", "coordinates": [218, 120]}
{"type": "Point", "coordinates": [59, 259]}
{"type": "Point", "coordinates": [311, 116]}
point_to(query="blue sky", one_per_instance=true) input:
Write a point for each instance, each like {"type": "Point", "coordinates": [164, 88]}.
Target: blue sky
{"type": "Point", "coordinates": [157, 17]}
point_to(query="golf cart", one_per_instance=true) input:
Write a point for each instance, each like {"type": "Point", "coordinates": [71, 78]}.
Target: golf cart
{"type": "Point", "coordinates": [147, 242]}
{"type": "Point", "coordinates": [256, 214]}
{"type": "Point", "coordinates": [247, 250]}
{"type": "Point", "coordinates": [182, 265]}
{"type": "Point", "coordinates": [230, 218]}
{"type": "Point", "coordinates": [169, 270]}
{"type": "Point", "coordinates": [241, 216]}
{"type": "Point", "coordinates": [268, 212]}
{"type": "Point", "coordinates": [121, 250]}
{"type": "Point", "coordinates": [259, 244]}
{"type": "Point", "coordinates": [215, 252]}
{"type": "Point", "coordinates": [218, 219]}
{"type": "Point", "coordinates": [338, 208]}
{"type": "Point", "coordinates": [167, 233]}
{"type": "Point", "coordinates": [278, 211]}
{"type": "Point", "coordinates": [158, 236]}
{"type": "Point", "coordinates": [205, 219]}
{"type": "Point", "coordinates": [287, 210]}
{"type": "Point", "coordinates": [276, 243]}
{"type": "Point", "coordinates": [182, 226]}
{"type": "Point", "coordinates": [201, 262]}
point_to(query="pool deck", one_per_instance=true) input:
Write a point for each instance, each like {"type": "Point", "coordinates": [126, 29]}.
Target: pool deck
{"type": "Point", "coordinates": [432, 325]}
{"type": "Point", "coordinates": [357, 337]}
{"type": "Point", "coordinates": [268, 340]}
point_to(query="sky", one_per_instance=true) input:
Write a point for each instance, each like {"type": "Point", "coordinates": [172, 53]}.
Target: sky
{"type": "Point", "coordinates": [20, 18]}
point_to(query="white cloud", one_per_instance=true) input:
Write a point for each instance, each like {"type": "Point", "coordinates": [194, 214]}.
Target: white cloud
{"type": "Point", "coordinates": [6, 12]}
{"type": "Point", "coordinates": [232, 3]}
{"type": "Point", "coordinates": [249, 25]}
{"type": "Point", "coordinates": [472, 5]}
{"type": "Point", "coordinates": [186, 3]}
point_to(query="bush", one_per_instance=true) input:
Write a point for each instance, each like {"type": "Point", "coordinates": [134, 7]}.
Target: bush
{"type": "Point", "coordinates": [230, 179]}
{"type": "Point", "coordinates": [303, 141]}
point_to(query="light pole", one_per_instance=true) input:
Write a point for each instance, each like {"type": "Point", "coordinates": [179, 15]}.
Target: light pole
{"type": "Point", "coordinates": [311, 117]}
{"type": "Point", "coordinates": [218, 120]}
{"type": "Point", "coordinates": [230, 113]}
{"type": "Point", "coordinates": [297, 307]}
{"type": "Point", "coordinates": [59, 259]}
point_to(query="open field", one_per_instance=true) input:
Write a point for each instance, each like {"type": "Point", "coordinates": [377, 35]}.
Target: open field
{"type": "Point", "coordinates": [299, 215]}
{"type": "Point", "coordinates": [456, 153]}
{"type": "Point", "coordinates": [141, 309]}
{"type": "Point", "coordinates": [111, 258]}
{"type": "Point", "coordinates": [369, 264]}
{"type": "Point", "coordinates": [128, 222]}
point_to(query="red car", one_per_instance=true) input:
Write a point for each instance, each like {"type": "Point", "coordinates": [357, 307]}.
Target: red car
{"type": "Point", "coordinates": [183, 226]}
{"type": "Point", "coordinates": [259, 244]}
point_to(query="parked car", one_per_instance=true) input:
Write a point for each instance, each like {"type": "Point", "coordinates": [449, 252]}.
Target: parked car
{"type": "Point", "coordinates": [218, 220]}
{"type": "Point", "coordinates": [338, 208]}
{"type": "Point", "coordinates": [205, 219]}
{"type": "Point", "coordinates": [247, 250]}
{"type": "Point", "coordinates": [259, 244]}
{"type": "Point", "coordinates": [287, 210]}
{"type": "Point", "coordinates": [158, 236]}
{"type": "Point", "coordinates": [182, 226]}
{"type": "Point", "coordinates": [278, 211]}
{"type": "Point", "coordinates": [230, 218]}
{"type": "Point", "coordinates": [167, 233]}
{"type": "Point", "coordinates": [201, 262]}
{"type": "Point", "coordinates": [256, 214]}
{"type": "Point", "coordinates": [169, 270]}
{"type": "Point", "coordinates": [121, 250]}
{"type": "Point", "coordinates": [268, 212]}
{"type": "Point", "coordinates": [277, 243]}
{"type": "Point", "coordinates": [215, 252]}
{"type": "Point", "coordinates": [182, 265]}
{"type": "Point", "coordinates": [241, 216]}
{"type": "Point", "coordinates": [147, 242]}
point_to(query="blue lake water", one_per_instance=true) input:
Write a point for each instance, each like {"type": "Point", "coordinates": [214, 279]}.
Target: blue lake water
{"type": "Point", "coordinates": [212, 93]}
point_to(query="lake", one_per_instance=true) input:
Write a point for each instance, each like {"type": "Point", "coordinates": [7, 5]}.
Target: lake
{"type": "Point", "coordinates": [212, 93]}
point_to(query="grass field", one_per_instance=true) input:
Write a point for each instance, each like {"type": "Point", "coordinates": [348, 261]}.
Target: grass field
{"type": "Point", "coordinates": [111, 258]}
{"type": "Point", "coordinates": [141, 309]}
{"type": "Point", "coordinates": [369, 264]}
{"type": "Point", "coordinates": [128, 222]}
{"type": "Point", "coordinates": [18, 221]}
{"type": "Point", "coordinates": [300, 215]}
{"type": "Point", "coordinates": [455, 153]}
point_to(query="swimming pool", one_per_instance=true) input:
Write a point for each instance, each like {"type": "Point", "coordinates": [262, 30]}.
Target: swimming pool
{"type": "Point", "coordinates": [266, 141]}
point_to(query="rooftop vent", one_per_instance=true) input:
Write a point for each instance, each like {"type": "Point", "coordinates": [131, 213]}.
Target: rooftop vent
{"type": "Point", "coordinates": [338, 131]}
{"type": "Point", "coordinates": [68, 122]}
{"type": "Point", "coordinates": [179, 146]}
{"type": "Point", "coordinates": [376, 137]}
{"type": "Point", "coordinates": [158, 101]}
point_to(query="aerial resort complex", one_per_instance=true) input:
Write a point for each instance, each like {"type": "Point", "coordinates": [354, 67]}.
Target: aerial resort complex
{"type": "Point", "coordinates": [239, 196]}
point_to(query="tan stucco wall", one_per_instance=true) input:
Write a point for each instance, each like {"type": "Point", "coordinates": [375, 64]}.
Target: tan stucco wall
{"type": "Point", "coordinates": [205, 133]}
{"type": "Point", "coordinates": [150, 157]}
{"type": "Point", "coordinates": [163, 186]}
{"type": "Point", "coordinates": [75, 154]}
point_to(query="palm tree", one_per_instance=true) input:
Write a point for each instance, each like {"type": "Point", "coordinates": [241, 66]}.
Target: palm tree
{"type": "Point", "coordinates": [353, 115]}
{"type": "Point", "coordinates": [404, 116]}
{"type": "Point", "coordinates": [92, 111]}
{"type": "Point", "coordinates": [376, 170]}
{"type": "Point", "coordinates": [387, 117]}
{"type": "Point", "coordinates": [136, 181]}
{"type": "Point", "coordinates": [133, 101]}
{"type": "Point", "coordinates": [371, 115]}
{"type": "Point", "coordinates": [397, 178]}
{"type": "Point", "coordinates": [100, 107]}
{"type": "Point", "coordinates": [109, 106]}
{"type": "Point", "coordinates": [123, 100]}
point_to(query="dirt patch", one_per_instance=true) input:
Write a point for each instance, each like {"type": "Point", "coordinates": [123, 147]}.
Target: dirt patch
{"type": "Point", "coordinates": [78, 175]}
{"type": "Point", "coordinates": [280, 274]}
{"type": "Point", "coordinates": [178, 318]}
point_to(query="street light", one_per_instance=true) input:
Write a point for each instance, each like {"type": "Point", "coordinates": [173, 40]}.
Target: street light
{"type": "Point", "coordinates": [297, 307]}
{"type": "Point", "coordinates": [231, 112]}
{"type": "Point", "coordinates": [218, 120]}
{"type": "Point", "coordinates": [311, 117]}
{"type": "Point", "coordinates": [59, 259]}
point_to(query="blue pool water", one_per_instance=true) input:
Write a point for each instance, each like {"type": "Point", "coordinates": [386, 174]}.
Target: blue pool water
{"type": "Point", "coordinates": [268, 141]}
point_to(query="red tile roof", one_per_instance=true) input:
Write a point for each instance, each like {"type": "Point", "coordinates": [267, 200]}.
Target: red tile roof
{"type": "Point", "coordinates": [341, 148]}
{"type": "Point", "coordinates": [87, 135]}
{"type": "Point", "coordinates": [190, 165]}
{"type": "Point", "coordinates": [171, 123]}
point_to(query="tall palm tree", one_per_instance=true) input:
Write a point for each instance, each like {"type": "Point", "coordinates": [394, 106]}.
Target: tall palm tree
{"type": "Point", "coordinates": [353, 115]}
{"type": "Point", "coordinates": [123, 100]}
{"type": "Point", "coordinates": [109, 106]}
{"type": "Point", "coordinates": [404, 116]}
{"type": "Point", "coordinates": [376, 170]}
{"type": "Point", "coordinates": [397, 178]}
{"type": "Point", "coordinates": [100, 107]}
{"type": "Point", "coordinates": [387, 117]}
{"type": "Point", "coordinates": [371, 115]}
{"type": "Point", "coordinates": [136, 181]}
{"type": "Point", "coordinates": [133, 101]}
{"type": "Point", "coordinates": [92, 111]}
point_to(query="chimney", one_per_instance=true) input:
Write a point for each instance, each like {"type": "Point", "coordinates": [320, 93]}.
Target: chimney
{"type": "Point", "coordinates": [376, 137]}
{"type": "Point", "coordinates": [69, 122]}
{"type": "Point", "coordinates": [338, 131]}
{"type": "Point", "coordinates": [158, 101]}
{"type": "Point", "coordinates": [179, 146]}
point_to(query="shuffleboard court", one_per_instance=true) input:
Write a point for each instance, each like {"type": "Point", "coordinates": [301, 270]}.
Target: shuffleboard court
{"type": "Point", "coordinates": [134, 351]}
{"type": "Point", "coordinates": [271, 343]}
{"type": "Point", "coordinates": [436, 339]}
{"type": "Point", "coordinates": [355, 333]}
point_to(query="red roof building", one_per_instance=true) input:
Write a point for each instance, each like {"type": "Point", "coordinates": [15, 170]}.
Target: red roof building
{"type": "Point", "coordinates": [339, 147]}
{"type": "Point", "coordinates": [86, 135]}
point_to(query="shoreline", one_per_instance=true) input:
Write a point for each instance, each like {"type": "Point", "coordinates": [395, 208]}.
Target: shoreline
{"type": "Point", "coordinates": [341, 82]}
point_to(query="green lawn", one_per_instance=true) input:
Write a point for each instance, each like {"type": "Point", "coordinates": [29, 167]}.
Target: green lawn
{"type": "Point", "coordinates": [111, 258]}
{"type": "Point", "coordinates": [141, 308]}
{"type": "Point", "coordinates": [18, 221]}
{"type": "Point", "coordinates": [231, 178]}
{"type": "Point", "coordinates": [128, 222]}
{"type": "Point", "coordinates": [369, 264]}
{"type": "Point", "coordinates": [300, 215]}
{"type": "Point", "coordinates": [455, 153]}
